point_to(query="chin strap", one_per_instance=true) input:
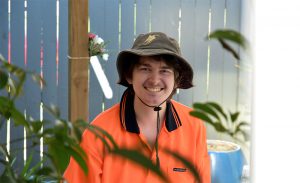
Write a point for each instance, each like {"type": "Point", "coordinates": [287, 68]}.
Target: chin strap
{"type": "Point", "coordinates": [157, 131]}
{"type": "Point", "coordinates": [157, 109]}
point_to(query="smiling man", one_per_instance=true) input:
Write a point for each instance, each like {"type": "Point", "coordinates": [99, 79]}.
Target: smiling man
{"type": "Point", "coordinates": [147, 119]}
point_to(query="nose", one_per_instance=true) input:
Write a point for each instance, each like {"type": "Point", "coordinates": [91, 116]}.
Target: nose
{"type": "Point", "coordinates": [154, 78]}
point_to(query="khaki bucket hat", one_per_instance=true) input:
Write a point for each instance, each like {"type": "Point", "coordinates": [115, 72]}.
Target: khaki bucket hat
{"type": "Point", "coordinates": [151, 44]}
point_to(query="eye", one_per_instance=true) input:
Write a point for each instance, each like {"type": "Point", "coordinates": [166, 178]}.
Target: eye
{"type": "Point", "coordinates": [144, 69]}
{"type": "Point", "coordinates": [166, 71]}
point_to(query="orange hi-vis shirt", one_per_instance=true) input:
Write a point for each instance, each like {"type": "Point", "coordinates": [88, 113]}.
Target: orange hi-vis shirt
{"type": "Point", "coordinates": [181, 133]}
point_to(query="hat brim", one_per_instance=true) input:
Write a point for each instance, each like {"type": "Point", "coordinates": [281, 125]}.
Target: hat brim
{"type": "Point", "coordinates": [123, 59]}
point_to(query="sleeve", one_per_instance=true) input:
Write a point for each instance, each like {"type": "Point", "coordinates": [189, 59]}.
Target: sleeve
{"type": "Point", "coordinates": [94, 160]}
{"type": "Point", "coordinates": [204, 161]}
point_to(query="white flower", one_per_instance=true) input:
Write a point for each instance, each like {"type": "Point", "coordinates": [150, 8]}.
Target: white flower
{"type": "Point", "coordinates": [98, 40]}
{"type": "Point", "coordinates": [105, 56]}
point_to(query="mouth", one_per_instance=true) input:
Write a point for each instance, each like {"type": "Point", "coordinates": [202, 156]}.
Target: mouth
{"type": "Point", "coordinates": [155, 89]}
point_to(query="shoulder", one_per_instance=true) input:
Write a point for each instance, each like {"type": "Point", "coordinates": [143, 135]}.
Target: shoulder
{"type": "Point", "coordinates": [109, 120]}
{"type": "Point", "coordinates": [111, 114]}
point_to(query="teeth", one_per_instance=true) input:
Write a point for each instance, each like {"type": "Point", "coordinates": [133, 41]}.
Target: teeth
{"type": "Point", "coordinates": [154, 89]}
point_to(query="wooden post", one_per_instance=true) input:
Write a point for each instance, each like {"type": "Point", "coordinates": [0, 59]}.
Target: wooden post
{"type": "Point", "coordinates": [78, 60]}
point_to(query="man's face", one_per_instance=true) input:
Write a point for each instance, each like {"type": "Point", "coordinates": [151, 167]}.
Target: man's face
{"type": "Point", "coordinates": [153, 80]}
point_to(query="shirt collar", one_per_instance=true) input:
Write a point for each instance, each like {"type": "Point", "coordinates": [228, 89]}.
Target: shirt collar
{"type": "Point", "coordinates": [127, 114]}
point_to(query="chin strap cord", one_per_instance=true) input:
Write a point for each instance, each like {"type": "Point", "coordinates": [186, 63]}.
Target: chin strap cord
{"type": "Point", "coordinates": [157, 109]}
{"type": "Point", "coordinates": [157, 131]}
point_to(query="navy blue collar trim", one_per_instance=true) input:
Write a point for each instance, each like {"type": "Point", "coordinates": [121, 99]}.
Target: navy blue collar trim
{"type": "Point", "coordinates": [128, 119]}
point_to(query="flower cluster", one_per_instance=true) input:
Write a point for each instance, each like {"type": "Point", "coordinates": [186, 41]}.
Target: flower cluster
{"type": "Point", "coordinates": [97, 46]}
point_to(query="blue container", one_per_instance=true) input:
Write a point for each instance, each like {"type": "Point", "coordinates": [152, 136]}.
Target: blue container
{"type": "Point", "coordinates": [226, 163]}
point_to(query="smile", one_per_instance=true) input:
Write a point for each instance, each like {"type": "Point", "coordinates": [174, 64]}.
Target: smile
{"type": "Point", "coordinates": [153, 89]}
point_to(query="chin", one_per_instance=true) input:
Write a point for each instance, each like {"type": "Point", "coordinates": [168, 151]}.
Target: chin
{"type": "Point", "coordinates": [155, 102]}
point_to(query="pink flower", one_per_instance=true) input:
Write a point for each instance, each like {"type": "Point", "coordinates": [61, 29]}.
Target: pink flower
{"type": "Point", "coordinates": [92, 36]}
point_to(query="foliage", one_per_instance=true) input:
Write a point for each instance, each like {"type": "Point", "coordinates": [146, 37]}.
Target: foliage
{"type": "Point", "coordinates": [60, 144]}
{"type": "Point", "coordinates": [223, 122]}
{"type": "Point", "coordinates": [211, 112]}
{"type": "Point", "coordinates": [225, 35]}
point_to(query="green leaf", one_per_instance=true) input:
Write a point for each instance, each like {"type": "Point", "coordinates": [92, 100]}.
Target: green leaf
{"type": "Point", "coordinates": [35, 168]}
{"type": "Point", "coordinates": [53, 110]}
{"type": "Point", "coordinates": [44, 171]}
{"type": "Point", "coordinates": [5, 107]}
{"type": "Point", "coordinates": [62, 127]}
{"type": "Point", "coordinates": [48, 134]}
{"type": "Point", "coordinates": [229, 48]}
{"type": "Point", "coordinates": [219, 127]}
{"type": "Point", "coordinates": [4, 152]}
{"type": "Point", "coordinates": [13, 69]}
{"type": "Point", "coordinates": [238, 127]}
{"type": "Point", "coordinates": [3, 79]}
{"type": "Point", "coordinates": [229, 35]}
{"type": "Point", "coordinates": [18, 118]}
{"type": "Point", "coordinates": [6, 178]}
{"type": "Point", "coordinates": [79, 158]}
{"type": "Point", "coordinates": [35, 126]}
{"type": "Point", "coordinates": [206, 108]}
{"type": "Point", "coordinates": [98, 131]}
{"type": "Point", "coordinates": [242, 124]}
{"type": "Point", "coordinates": [218, 108]}
{"type": "Point", "coordinates": [2, 161]}
{"type": "Point", "coordinates": [103, 139]}
{"type": "Point", "coordinates": [11, 87]}
{"type": "Point", "coordinates": [62, 145]}
{"type": "Point", "coordinates": [141, 160]}
{"type": "Point", "coordinates": [201, 115]}
{"type": "Point", "coordinates": [2, 59]}
{"type": "Point", "coordinates": [19, 85]}
{"type": "Point", "coordinates": [26, 167]}
{"type": "Point", "coordinates": [78, 133]}
{"type": "Point", "coordinates": [234, 116]}
{"type": "Point", "coordinates": [187, 163]}
{"type": "Point", "coordinates": [59, 155]}
{"type": "Point", "coordinates": [101, 134]}
{"type": "Point", "coordinates": [12, 161]}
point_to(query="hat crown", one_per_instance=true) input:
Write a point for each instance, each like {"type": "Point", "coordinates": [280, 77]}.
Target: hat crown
{"type": "Point", "coordinates": [156, 40]}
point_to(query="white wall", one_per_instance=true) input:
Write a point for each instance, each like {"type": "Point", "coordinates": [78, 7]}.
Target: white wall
{"type": "Point", "coordinates": [276, 132]}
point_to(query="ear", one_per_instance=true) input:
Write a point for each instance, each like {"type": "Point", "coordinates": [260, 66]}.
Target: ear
{"type": "Point", "coordinates": [176, 83]}
{"type": "Point", "coordinates": [129, 80]}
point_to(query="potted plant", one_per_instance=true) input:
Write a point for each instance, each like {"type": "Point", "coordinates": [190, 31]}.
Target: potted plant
{"type": "Point", "coordinates": [227, 158]}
